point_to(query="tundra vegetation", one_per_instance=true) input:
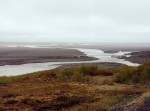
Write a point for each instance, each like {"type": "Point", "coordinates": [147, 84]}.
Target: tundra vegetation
{"type": "Point", "coordinates": [78, 88]}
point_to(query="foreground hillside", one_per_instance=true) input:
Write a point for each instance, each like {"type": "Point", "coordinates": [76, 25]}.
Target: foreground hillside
{"type": "Point", "coordinates": [78, 88]}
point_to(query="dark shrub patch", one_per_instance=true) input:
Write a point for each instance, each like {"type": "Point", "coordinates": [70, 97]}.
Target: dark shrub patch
{"type": "Point", "coordinates": [140, 74]}
{"type": "Point", "coordinates": [55, 104]}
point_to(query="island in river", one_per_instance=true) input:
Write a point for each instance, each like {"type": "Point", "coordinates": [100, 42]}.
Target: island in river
{"type": "Point", "coordinates": [27, 59]}
{"type": "Point", "coordinates": [24, 55]}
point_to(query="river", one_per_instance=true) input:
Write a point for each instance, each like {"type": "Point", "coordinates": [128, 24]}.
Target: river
{"type": "Point", "coordinates": [12, 70]}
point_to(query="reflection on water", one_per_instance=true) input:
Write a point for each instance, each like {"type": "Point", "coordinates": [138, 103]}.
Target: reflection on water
{"type": "Point", "coordinates": [11, 70]}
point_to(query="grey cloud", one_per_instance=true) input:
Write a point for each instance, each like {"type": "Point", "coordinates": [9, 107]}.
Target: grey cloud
{"type": "Point", "coordinates": [75, 20]}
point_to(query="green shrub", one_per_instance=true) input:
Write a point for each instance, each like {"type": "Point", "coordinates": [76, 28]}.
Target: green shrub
{"type": "Point", "coordinates": [140, 74]}
{"type": "Point", "coordinates": [72, 75]}
{"type": "Point", "coordinates": [93, 70]}
{"type": "Point", "coordinates": [6, 80]}
{"type": "Point", "coordinates": [89, 70]}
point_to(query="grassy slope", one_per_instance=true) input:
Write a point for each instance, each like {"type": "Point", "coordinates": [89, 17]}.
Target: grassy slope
{"type": "Point", "coordinates": [84, 88]}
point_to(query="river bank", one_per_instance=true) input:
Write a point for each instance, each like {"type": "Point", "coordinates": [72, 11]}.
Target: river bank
{"type": "Point", "coordinates": [25, 55]}
{"type": "Point", "coordinates": [78, 88]}
{"type": "Point", "coordinates": [138, 57]}
{"type": "Point", "coordinates": [93, 55]}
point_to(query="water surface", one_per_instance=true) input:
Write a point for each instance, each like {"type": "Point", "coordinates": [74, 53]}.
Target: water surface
{"type": "Point", "coordinates": [11, 70]}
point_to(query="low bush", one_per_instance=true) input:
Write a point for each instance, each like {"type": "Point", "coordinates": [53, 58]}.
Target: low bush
{"type": "Point", "coordinates": [72, 75]}
{"type": "Point", "coordinates": [6, 80]}
{"type": "Point", "coordinates": [93, 70]}
{"type": "Point", "coordinates": [140, 74]}
{"type": "Point", "coordinates": [81, 74]}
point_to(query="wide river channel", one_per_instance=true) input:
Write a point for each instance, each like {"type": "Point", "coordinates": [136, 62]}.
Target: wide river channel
{"type": "Point", "coordinates": [12, 70]}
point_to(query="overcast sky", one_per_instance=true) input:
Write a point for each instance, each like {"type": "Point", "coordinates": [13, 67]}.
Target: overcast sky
{"type": "Point", "coordinates": [75, 20]}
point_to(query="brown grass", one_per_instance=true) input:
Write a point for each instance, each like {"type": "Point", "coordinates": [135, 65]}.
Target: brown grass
{"type": "Point", "coordinates": [72, 89]}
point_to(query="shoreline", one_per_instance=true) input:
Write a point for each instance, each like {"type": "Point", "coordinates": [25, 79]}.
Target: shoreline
{"type": "Point", "coordinates": [101, 57]}
{"type": "Point", "coordinates": [20, 55]}
{"type": "Point", "coordinates": [140, 57]}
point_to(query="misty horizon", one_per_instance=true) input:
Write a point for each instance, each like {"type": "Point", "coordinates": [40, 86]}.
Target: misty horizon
{"type": "Point", "coordinates": [77, 21]}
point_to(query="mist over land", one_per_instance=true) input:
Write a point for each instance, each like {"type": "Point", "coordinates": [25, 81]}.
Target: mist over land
{"type": "Point", "coordinates": [98, 45]}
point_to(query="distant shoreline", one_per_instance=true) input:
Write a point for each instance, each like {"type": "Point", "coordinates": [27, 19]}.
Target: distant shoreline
{"type": "Point", "coordinates": [25, 60]}
{"type": "Point", "coordinates": [140, 57]}
{"type": "Point", "coordinates": [14, 55]}
{"type": "Point", "coordinates": [18, 56]}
